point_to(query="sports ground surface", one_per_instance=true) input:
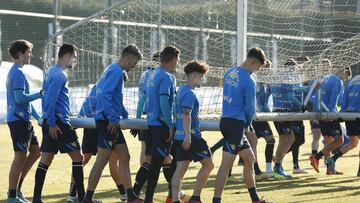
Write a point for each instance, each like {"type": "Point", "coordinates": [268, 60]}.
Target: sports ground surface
{"type": "Point", "coordinates": [312, 187]}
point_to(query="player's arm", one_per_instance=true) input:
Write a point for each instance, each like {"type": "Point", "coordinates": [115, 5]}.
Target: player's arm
{"type": "Point", "coordinates": [250, 99]}
{"type": "Point", "coordinates": [165, 107]}
{"type": "Point", "coordinates": [22, 98]}
{"type": "Point", "coordinates": [140, 105]}
{"type": "Point", "coordinates": [19, 90]}
{"type": "Point", "coordinates": [187, 104]}
{"type": "Point", "coordinates": [334, 95]}
{"type": "Point", "coordinates": [107, 92]}
{"type": "Point", "coordinates": [51, 97]}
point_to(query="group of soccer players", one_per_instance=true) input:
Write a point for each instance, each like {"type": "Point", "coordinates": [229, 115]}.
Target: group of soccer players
{"type": "Point", "coordinates": [173, 138]}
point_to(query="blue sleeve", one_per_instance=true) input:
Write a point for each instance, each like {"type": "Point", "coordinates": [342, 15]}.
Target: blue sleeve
{"type": "Point", "coordinates": [344, 99]}
{"type": "Point", "coordinates": [250, 99]}
{"type": "Point", "coordinates": [34, 113]}
{"type": "Point", "coordinates": [335, 93]}
{"type": "Point", "coordinates": [51, 95]}
{"type": "Point", "coordinates": [165, 86]}
{"type": "Point", "coordinates": [22, 98]}
{"type": "Point", "coordinates": [18, 80]}
{"type": "Point", "coordinates": [188, 101]}
{"type": "Point", "coordinates": [107, 93]}
{"type": "Point", "coordinates": [140, 105]}
{"type": "Point", "coordinates": [166, 110]}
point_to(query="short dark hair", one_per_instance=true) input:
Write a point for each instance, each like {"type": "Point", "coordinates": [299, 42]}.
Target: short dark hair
{"type": "Point", "coordinates": [169, 53]}
{"type": "Point", "coordinates": [258, 54]}
{"type": "Point", "coordinates": [196, 66]}
{"type": "Point", "coordinates": [131, 49]}
{"type": "Point", "coordinates": [19, 46]}
{"type": "Point", "coordinates": [66, 48]}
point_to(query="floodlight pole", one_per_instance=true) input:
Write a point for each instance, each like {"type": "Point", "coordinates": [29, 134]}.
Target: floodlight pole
{"type": "Point", "coordinates": [241, 30]}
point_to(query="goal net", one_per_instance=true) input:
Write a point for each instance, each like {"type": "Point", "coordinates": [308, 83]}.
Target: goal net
{"type": "Point", "coordinates": [206, 30]}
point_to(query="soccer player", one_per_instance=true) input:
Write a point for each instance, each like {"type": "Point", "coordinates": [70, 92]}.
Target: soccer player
{"type": "Point", "coordinates": [161, 98]}
{"type": "Point", "coordinates": [262, 130]}
{"type": "Point", "coordinates": [145, 157]}
{"type": "Point", "coordinates": [58, 135]}
{"type": "Point", "coordinates": [109, 106]}
{"type": "Point", "coordinates": [142, 109]}
{"type": "Point", "coordinates": [189, 144]}
{"type": "Point", "coordinates": [350, 103]}
{"type": "Point", "coordinates": [89, 145]}
{"type": "Point", "coordinates": [19, 112]}
{"type": "Point", "coordinates": [330, 91]}
{"type": "Point", "coordinates": [238, 111]}
{"type": "Point", "coordinates": [284, 100]}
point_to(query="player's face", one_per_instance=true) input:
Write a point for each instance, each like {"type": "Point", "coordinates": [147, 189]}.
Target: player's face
{"type": "Point", "coordinates": [198, 79]}
{"type": "Point", "coordinates": [175, 63]}
{"type": "Point", "coordinates": [131, 62]}
{"type": "Point", "coordinates": [26, 57]}
{"type": "Point", "coordinates": [71, 59]}
{"type": "Point", "coordinates": [256, 65]}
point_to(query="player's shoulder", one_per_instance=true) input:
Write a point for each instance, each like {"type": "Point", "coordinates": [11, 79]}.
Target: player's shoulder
{"type": "Point", "coordinates": [17, 72]}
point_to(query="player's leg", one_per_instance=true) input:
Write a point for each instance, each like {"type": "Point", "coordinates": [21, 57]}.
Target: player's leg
{"type": "Point", "coordinates": [251, 137]}
{"type": "Point", "coordinates": [286, 139]}
{"type": "Point", "coordinates": [332, 129]}
{"type": "Point", "coordinates": [159, 150]}
{"type": "Point", "coordinates": [227, 161]}
{"type": "Point", "coordinates": [181, 168]}
{"type": "Point", "coordinates": [353, 130]}
{"type": "Point", "coordinates": [48, 150]}
{"type": "Point", "coordinates": [269, 151]}
{"type": "Point", "coordinates": [169, 167]}
{"type": "Point", "coordinates": [40, 174]}
{"type": "Point", "coordinates": [316, 135]}
{"type": "Point", "coordinates": [263, 130]}
{"type": "Point", "coordinates": [201, 152]}
{"type": "Point", "coordinates": [68, 143]}
{"type": "Point", "coordinates": [88, 148]}
{"type": "Point", "coordinates": [122, 151]}
{"type": "Point", "coordinates": [299, 132]}
{"type": "Point", "coordinates": [142, 174]}
{"type": "Point", "coordinates": [32, 157]}
{"type": "Point", "coordinates": [15, 173]}
{"type": "Point", "coordinates": [105, 146]}
{"type": "Point", "coordinates": [21, 134]}
{"type": "Point", "coordinates": [114, 167]}
{"type": "Point", "coordinates": [232, 131]}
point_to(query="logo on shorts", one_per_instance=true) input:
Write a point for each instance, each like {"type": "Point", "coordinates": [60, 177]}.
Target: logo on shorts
{"type": "Point", "coordinates": [266, 131]}
{"type": "Point", "coordinates": [205, 152]}
{"type": "Point", "coordinates": [288, 130]}
{"type": "Point", "coordinates": [337, 131]}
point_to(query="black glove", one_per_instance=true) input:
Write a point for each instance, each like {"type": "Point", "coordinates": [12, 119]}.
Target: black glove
{"type": "Point", "coordinates": [134, 132]}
